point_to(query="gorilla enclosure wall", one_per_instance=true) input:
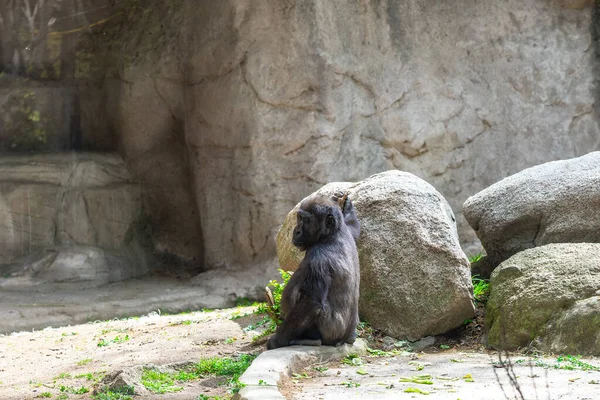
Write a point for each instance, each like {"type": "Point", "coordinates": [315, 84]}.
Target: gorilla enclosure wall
{"type": "Point", "coordinates": [232, 111]}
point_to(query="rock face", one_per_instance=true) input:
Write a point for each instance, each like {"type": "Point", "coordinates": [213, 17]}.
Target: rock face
{"type": "Point", "coordinates": [415, 279]}
{"type": "Point", "coordinates": [70, 217]}
{"type": "Point", "coordinates": [548, 296]}
{"type": "Point", "coordinates": [263, 103]}
{"type": "Point", "coordinates": [557, 202]}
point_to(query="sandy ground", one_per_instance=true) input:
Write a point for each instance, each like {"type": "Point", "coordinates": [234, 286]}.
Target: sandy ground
{"type": "Point", "coordinates": [35, 362]}
{"type": "Point", "coordinates": [379, 378]}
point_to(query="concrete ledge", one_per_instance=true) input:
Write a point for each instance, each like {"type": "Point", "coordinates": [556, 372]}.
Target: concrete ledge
{"type": "Point", "coordinates": [271, 367]}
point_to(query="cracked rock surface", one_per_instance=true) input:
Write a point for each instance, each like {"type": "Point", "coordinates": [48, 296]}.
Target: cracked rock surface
{"type": "Point", "coordinates": [244, 108]}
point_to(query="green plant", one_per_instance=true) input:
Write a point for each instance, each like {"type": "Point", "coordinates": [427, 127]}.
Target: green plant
{"type": "Point", "coordinates": [118, 339]}
{"type": "Point", "coordinates": [84, 361]}
{"type": "Point", "coordinates": [45, 394]}
{"type": "Point", "coordinates": [92, 376]}
{"type": "Point", "coordinates": [72, 390]}
{"type": "Point", "coordinates": [352, 359]}
{"type": "Point", "coordinates": [273, 306]}
{"type": "Point", "coordinates": [24, 123]}
{"type": "Point", "coordinates": [574, 362]}
{"type": "Point", "coordinates": [475, 258]}
{"type": "Point", "coordinates": [481, 288]}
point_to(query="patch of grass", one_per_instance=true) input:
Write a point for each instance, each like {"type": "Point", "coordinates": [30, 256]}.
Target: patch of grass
{"type": "Point", "coordinates": [118, 339]}
{"type": "Point", "coordinates": [123, 393]}
{"type": "Point", "coordinates": [92, 376]}
{"type": "Point", "coordinates": [45, 395]}
{"type": "Point", "coordinates": [119, 330]}
{"type": "Point", "coordinates": [72, 390]}
{"type": "Point", "coordinates": [159, 382]}
{"type": "Point", "coordinates": [205, 397]}
{"type": "Point", "coordinates": [63, 375]}
{"type": "Point", "coordinates": [569, 362]}
{"type": "Point", "coordinates": [84, 361]}
{"type": "Point", "coordinates": [481, 289]}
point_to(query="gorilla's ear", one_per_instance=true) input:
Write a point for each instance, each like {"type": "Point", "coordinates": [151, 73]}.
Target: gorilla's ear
{"type": "Point", "coordinates": [330, 221]}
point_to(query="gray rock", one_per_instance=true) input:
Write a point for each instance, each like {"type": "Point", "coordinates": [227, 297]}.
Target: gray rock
{"type": "Point", "coordinates": [277, 101]}
{"type": "Point", "coordinates": [423, 343]}
{"type": "Point", "coordinates": [546, 297]}
{"type": "Point", "coordinates": [415, 279]}
{"type": "Point", "coordinates": [125, 381]}
{"type": "Point", "coordinates": [556, 202]}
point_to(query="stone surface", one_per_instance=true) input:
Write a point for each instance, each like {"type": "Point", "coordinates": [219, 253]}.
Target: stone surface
{"type": "Point", "coordinates": [547, 296]}
{"type": "Point", "coordinates": [83, 207]}
{"type": "Point", "coordinates": [266, 102]}
{"type": "Point", "coordinates": [494, 376]}
{"type": "Point", "coordinates": [56, 304]}
{"type": "Point", "coordinates": [274, 366]}
{"type": "Point", "coordinates": [556, 202]}
{"type": "Point", "coordinates": [415, 279]}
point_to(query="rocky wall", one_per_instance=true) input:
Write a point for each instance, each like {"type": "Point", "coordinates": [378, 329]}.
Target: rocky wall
{"type": "Point", "coordinates": [245, 107]}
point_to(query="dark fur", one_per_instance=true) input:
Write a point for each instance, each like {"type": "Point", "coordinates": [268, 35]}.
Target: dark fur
{"type": "Point", "coordinates": [319, 305]}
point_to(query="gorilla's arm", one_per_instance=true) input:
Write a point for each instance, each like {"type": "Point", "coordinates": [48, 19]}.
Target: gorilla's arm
{"type": "Point", "coordinates": [351, 220]}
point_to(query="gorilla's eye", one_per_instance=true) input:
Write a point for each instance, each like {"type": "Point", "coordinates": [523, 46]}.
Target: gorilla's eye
{"type": "Point", "coordinates": [330, 221]}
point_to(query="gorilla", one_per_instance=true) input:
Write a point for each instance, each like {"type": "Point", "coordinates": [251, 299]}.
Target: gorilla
{"type": "Point", "coordinates": [319, 304]}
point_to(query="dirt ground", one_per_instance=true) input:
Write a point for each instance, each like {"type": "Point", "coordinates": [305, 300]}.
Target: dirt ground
{"type": "Point", "coordinates": [32, 363]}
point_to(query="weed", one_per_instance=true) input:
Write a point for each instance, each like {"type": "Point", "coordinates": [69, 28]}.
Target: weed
{"type": "Point", "coordinates": [321, 369]}
{"type": "Point", "coordinates": [63, 375]}
{"type": "Point", "coordinates": [84, 361]}
{"type": "Point", "coordinates": [117, 339]}
{"type": "Point", "coordinates": [481, 289]}
{"type": "Point", "coordinates": [350, 384]}
{"type": "Point", "coordinates": [475, 258]}
{"type": "Point", "coordinates": [72, 390]}
{"type": "Point", "coordinates": [381, 353]}
{"type": "Point", "coordinates": [63, 396]}
{"type": "Point", "coordinates": [274, 310]}
{"type": "Point", "coordinates": [92, 376]}
{"type": "Point", "coordinates": [352, 359]}
{"type": "Point", "coordinates": [45, 394]}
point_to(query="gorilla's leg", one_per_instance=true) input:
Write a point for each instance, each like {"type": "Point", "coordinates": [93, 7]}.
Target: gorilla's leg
{"type": "Point", "coordinates": [299, 321]}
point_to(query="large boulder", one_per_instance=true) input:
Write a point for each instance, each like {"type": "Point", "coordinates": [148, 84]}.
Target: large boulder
{"type": "Point", "coordinates": [556, 202]}
{"type": "Point", "coordinates": [548, 296]}
{"type": "Point", "coordinates": [415, 279]}
{"type": "Point", "coordinates": [86, 209]}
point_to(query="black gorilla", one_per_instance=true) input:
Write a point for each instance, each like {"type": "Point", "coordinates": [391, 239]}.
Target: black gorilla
{"type": "Point", "coordinates": [319, 305]}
